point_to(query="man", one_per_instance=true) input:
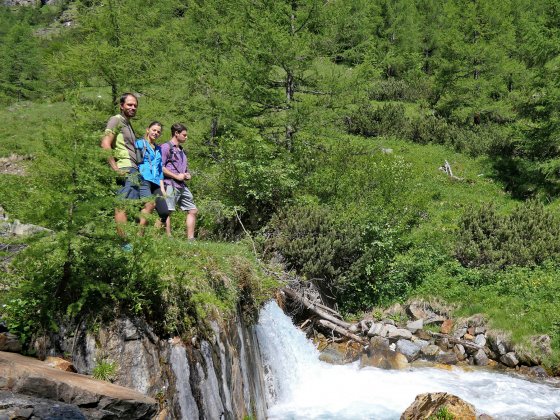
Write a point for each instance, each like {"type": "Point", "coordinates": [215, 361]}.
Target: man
{"type": "Point", "coordinates": [176, 172]}
{"type": "Point", "coordinates": [119, 139]}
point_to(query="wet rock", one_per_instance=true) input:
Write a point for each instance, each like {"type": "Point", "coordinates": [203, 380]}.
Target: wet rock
{"type": "Point", "coordinates": [427, 406]}
{"type": "Point", "coordinates": [410, 350]}
{"type": "Point", "coordinates": [384, 359]}
{"type": "Point", "coordinates": [9, 342]}
{"type": "Point", "coordinates": [509, 359]}
{"type": "Point", "coordinates": [375, 329]}
{"type": "Point", "coordinates": [446, 327]}
{"type": "Point", "coordinates": [480, 358]}
{"type": "Point", "coordinates": [533, 371]}
{"type": "Point", "coordinates": [484, 416]}
{"type": "Point", "coordinates": [341, 353]}
{"type": "Point", "coordinates": [449, 358]}
{"type": "Point", "coordinates": [414, 326]}
{"type": "Point", "coordinates": [399, 334]}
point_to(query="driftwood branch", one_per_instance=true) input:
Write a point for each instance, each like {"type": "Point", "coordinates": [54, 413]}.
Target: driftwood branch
{"type": "Point", "coordinates": [342, 331]}
{"type": "Point", "coordinates": [315, 308]}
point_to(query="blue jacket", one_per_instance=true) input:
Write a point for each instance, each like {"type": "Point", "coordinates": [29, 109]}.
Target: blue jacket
{"type": "Point", "coordinates": [150, 167]}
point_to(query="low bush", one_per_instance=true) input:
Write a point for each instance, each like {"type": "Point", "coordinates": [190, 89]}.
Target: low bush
{"type": "Point", "coordinates": [527, 237]}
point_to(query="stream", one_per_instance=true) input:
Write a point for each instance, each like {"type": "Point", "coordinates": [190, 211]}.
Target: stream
{"type": "Point", "coordinates": [300, 386]}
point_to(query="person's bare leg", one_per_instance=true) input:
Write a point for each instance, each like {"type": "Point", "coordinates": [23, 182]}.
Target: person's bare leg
{"type": "Point", "coordinates": [190, 221]}
{"type": "Point", "coordinates": [120, 220]}
{"type": "Point", "coordinates": [168, 225]}
{"type": "Point", "coordinates": [148, 208]}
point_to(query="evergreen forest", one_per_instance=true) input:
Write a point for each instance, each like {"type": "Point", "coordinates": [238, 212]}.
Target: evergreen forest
{"type": "Point", "coordinates": [383, 150]}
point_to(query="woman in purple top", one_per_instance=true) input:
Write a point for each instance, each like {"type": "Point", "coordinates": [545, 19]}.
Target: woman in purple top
{"type": "Point", "coordinates": [176, 172]}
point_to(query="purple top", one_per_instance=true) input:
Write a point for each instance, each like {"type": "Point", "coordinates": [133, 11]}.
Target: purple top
{"type": "Point", "coordinates": [175, 160]}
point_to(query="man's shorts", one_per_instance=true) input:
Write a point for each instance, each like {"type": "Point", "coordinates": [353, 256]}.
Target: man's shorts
{"type": "Point", "coordinates": [130, 184]}
{"type": "Point", "coordinates": [181, 197]}
{"type": "Point", "coordinates": [148, 189]}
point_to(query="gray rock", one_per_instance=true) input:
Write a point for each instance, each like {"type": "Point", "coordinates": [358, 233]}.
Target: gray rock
{"type": "Point", "coordinates": [480, 340]}
{"type": "Point", "coordinates": [410, 350]}
{"type": "Point", "coordinates": [22, 406]}
{"type": "Point", "coordinates": [443, 343]}
{"type": "Point", "coordinates": [480, 358]}
{"type": "Point", "coordinates": [387, 329]}
{"type": "Point", "coordinates": [419, 342]}
{"type": "Point", "coordinates": [375, 329]}
{"type": "Point", "coordinates": [430, 351]}
{"type": "Point", "coordinates": [388, 321]}
{"type": "Point", "coordinates": [22, 229]}
{"type": "Point", "coordinates": [414, 326]}
{"type": "Point", "coordinates": [460, 332]}
{"type": "Point", "coordinates": [400, 333]}
{"type": "Point", "coordinates": [378, 342]}
{"type": "Point", "coordinates": [130, 332]}
{"type": "Point", "coordinates": [459, 351]}
{"type": "Point", "coordinates": [509, 359]}
{"type": "Point", "coordinates": [354, 328]}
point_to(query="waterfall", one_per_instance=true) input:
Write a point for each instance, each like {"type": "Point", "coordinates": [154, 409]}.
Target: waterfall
{"type": "Point", "coordinates": [300, 386]}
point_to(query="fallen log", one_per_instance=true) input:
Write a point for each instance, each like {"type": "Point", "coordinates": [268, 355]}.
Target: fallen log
{"type": "Point", "coordinates": [342, 331]}
{"type": "Point", "coordinates": [313, 307]}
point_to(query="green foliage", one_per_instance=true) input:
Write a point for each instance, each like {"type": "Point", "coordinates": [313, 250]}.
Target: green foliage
{"type": "Point", "coordinates": [528, 236]}
{"type": "Point", "coordinates": [442, 413]}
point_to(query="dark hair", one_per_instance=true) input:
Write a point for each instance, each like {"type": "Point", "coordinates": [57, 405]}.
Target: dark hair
{"type": "Point", "coordinates": [126, 95]}
{"type": "Point", "coordinates": [155, 123]}
{"type": "Point", "coordinates": [177, 128]}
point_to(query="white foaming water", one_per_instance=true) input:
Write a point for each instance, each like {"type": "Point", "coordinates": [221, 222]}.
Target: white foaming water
{"type": "Point", "coordinates": [300, 386]}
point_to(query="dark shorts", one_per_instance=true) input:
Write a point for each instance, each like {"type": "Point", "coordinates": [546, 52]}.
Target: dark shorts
{"type": "Point", "coordinates": [130, 184]}
{"type": "Point", "coordinates": [149, 189]}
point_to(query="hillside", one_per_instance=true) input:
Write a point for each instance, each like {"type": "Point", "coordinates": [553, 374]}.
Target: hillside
{"type": "Point", "coordinates": [316, 129]}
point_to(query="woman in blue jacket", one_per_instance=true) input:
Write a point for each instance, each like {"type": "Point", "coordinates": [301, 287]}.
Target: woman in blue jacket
{"type": "Point", "coordinates": [148, 156]}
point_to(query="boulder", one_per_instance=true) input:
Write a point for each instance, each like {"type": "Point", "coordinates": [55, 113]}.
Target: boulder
{"type": "Point", "coordinates": [431, 405]}
{"type": "Point", "coordinates": [410, 350]}
{"type": "Point", "coordinates": [387, 330]}
{"type": "Point", "coordinates": [460, 332]}
{"type": "Point", "coordinates": [414, 326]}
{"type": "Point", "coordinates": [480, 340]}
{"type": "Point", "coordinates": [498, 342]}
{"type": "Point", "coordinates": [420, 343]}
{"type": "Point", "coordinates": [22, 375]}
{"type": "Point", "coordinates": [430, 352]}
{"type": "Point", "coordinates": [509, 359]}
{"type": "Point", "coordinates": [480, 358]}
{"type": "Point", "coordinates": [460, 352]}
{"type": "Point", "coordinates": [9, 342]}
{"type": "Point", "coordinates": [400, 333]}
{"type": "Point", "coordinates": [375, 329]}
{"type": "Point", "coordinates": [384, 359]}
{"type": "Point", "coordinates": [533, 371]}
{"type": "Point", "coordinates": [422, 310]}
{"type": "Point", "coordinates": [448, 358]}
{"type": "Point", "coordinates": [379, 343]}
{"type": "Point", "coordinates": [341, 353]}
{"type": "Point", "coordinates": [24, 407]}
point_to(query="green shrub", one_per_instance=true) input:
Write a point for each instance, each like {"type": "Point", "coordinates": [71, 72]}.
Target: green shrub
{"type": "Point", "coordinates": [387, 120]}
{"type": "Point", "coordinates": [528, 236]}
{"type": "Point", "coordinates": [310, 240]}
